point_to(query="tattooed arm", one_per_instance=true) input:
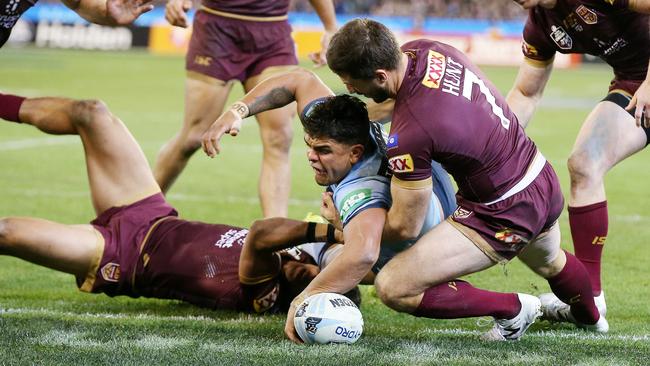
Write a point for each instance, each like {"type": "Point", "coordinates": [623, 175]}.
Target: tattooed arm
{"type": "Point", "coordinates": [301, 86]}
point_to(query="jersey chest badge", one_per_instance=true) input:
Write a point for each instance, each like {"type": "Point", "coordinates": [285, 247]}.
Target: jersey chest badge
{"type": "Point", "coordinates": [561, 37]}
{"type": "Point", "coordinates": [587, 15]}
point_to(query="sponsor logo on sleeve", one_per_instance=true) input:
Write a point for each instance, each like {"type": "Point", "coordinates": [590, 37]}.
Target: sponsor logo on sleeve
{"type": "Point", "coordinates": [586, 14]}
{"type": "Point", "coordinates": [111, 272]}
{"type": "Point", "coordinates": [507, 236]}
{"type": "Point", "coordinates": [561, 37]}
{"type": "Point", "coordinates": [435, 70]}
{"type": "Point", "coordinates": [353, 200]}
{"type": "Point", "coordinates": [401, 163]}
{"type": "Point", "coordinates": [231, 237]}
{"type": "Point", "coordinates": [392, 141]}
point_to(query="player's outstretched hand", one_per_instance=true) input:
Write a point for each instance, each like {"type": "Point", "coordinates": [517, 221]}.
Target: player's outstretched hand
{"type": "Point", "coordinates": [175, 12]}
{"type": "Point", "coordinates": [228, 123]}
{"type": "Point", "coordinates": [319, 58]}
{"type": "Point", "coordinates": [123, 12]}
{"type": "Point", "coordinates": [329, 212]}
{"type": "Point", "coordinates": [289, 327]}
{"type": "Point", "coordinates": [641, 100]}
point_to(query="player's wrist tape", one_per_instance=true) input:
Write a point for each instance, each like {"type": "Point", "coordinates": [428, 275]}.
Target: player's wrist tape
{"type": "Point", "coordinates": [10, 107]}
{"type": "Point", "coordinates": [240, 109]}
{"type": "Point", "coordinates": [311, 232]}
{"type": "Point", "coordinates": [331, 238]}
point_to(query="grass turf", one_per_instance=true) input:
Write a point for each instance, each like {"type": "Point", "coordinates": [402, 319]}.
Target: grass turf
{"type": "Point", "coordinates": [45, 320]}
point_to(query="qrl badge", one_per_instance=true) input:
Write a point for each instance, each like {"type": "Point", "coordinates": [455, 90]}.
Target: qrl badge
{"type": "Point", "coordinates": [587, 15]}
{"type": "Point", "coordinates": [111, 272]}
{"type": "Point", "coordinates": [462, 213]}
{"type": "Point", "coordinates": [561, 38]}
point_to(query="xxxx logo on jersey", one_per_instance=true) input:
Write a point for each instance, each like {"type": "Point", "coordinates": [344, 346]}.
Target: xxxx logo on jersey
{"type": "Point", "coordinates": [436, 63]}
{"type": "Point", "coordinates": [401, 163]}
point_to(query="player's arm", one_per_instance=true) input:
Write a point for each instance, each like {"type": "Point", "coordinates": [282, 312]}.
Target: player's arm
{"type": "Point", "coordinates": [325, 11]}
{"type": "Point", "coordinates": [527, 91]}
{"type": "Point", "coordinates": [301, 86]}
{"type": "Point", "coordinates": [408, 211]}
{"type": "Point", "coordinates": [258, 259]}
{"type": "Point", "coordinates": [641, 101]}
{"type": "Point", "coordinates": [360, 252]}
{"type": "Point", "coordinates": [109, 12]}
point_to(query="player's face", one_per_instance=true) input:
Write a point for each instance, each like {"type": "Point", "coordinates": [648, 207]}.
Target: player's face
{"type": "Point", "coordinates": [330, 160]}
{"type": "Point", "coordinates": [371, 88]}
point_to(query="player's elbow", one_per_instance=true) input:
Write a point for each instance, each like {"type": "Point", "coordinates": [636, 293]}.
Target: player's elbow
{"type": "Point", "coordinates": [256, 234]}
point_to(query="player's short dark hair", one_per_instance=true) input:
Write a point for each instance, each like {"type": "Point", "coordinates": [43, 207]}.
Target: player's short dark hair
{"type": "Point", "coordinates": [361, 47]}
{"type": "Point", "coordinates": [342, 118]}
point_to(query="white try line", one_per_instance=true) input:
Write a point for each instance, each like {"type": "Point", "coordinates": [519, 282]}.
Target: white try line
{"type": "Point", "coordinates": [38, 142]}
{"type": "Point", "coordinates": [578, 335]}
{"type": "Point", "coordinates": [178, 197]}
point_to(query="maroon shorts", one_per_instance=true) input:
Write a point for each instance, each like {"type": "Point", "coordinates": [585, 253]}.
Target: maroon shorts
{"type": "Point", "coordinates": [504, 228]}
{"type": "Point", "coordinates": [123, 230]}
{"type": "Point", "coordinates": [628, 86]}
{"type": "Point", "coordinates": [227, 49]}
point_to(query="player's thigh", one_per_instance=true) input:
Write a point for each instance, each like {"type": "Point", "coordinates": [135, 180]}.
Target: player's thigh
{"type": "Point", "coordinates": [543, 254]}
{"type": "Point", "coordinates": [118, 171]}
{"type": "Point", "coordinates": [441, 255]}
{"type": "Point", "coordinates": [608, 135]}
{"type": "Point", "coordinates": [275, 125]}
{"type": "Point", "coordinates": [66, 248]}
{"type": "Point", "coordinates": [205, 98]}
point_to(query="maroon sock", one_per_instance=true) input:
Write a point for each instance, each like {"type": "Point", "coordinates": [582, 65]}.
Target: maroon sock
{"type": "Point", "coordinates": [459, 299]}
{"type": "Point", "coordinates": [572, 286]}
{"type": "Point", "coordinates": [589, 231]}
{"type": "Point", "coordinates": [9, 107]}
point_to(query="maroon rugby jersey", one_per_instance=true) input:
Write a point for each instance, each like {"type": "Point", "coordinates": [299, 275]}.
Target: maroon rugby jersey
{"type": "Point", "coordinates": [258, 8]}
{"type": "Point", "coordinates": [10, 11]}
{"type": "Point", "coordinates": [198, 263]}
{"type": "Point", "coordinates": [603, 28]}
{"type": "Point", "coordinates": [446, 110]}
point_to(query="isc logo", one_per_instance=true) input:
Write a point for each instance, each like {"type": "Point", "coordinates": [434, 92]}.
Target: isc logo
{"type": "Point", "coordinates": [401, 163]}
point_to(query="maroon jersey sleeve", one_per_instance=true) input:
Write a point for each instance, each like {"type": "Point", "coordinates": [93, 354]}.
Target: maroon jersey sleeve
{"type": "Point", "coordinates": [410, 150]}
{"type": "Point", "coordinates": [535, 45]}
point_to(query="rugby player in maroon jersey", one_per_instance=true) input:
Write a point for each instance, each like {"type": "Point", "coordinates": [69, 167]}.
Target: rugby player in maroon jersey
{"type": "Point", "coordinates": [509, 197]}
{"type": "Point", "coordinates": [617, 31]}
{"type": "Point", "coordinates": [245, 41]}
{"type": "Point", "coordinates": [105, 12]}
{"type": "Point", "coordinates": [138, 246]}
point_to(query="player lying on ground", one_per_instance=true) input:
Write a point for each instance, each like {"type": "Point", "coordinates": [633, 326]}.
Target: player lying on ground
{"type": "Point", "coordinates": [618, 33]}
{"type": "Point", "coordinates": [348, 155]}
{"type": "Point", "coordinates": [137, 246]}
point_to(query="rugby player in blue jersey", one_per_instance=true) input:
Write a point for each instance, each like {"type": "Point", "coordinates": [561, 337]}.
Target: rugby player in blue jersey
{"type": "Point", "coordinates": [348, 155]}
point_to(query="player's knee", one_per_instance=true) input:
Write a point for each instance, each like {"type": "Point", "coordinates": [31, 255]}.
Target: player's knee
{"type": "Point", "coordinates": [387, 292]}
{"type": "Point", "coordinates": [6, 233]}
{"type": "Point", "coordinates": [582, 168]}
{"type": "Point", "coordinates": [90, 112]}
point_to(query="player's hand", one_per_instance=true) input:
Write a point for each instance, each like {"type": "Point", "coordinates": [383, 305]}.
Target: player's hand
{"type": "Point", "coordinates": [641, 100]}
{"type": "Point", "coordinates": [176, 12]}
{"type": "Point", "coordinates": [329, 212]}
{"type": "Point", "coordinates": [229, 123]}
{"type": "Point", "coordinates": [123, 12]}
{"type": "Point", "coordinates": [527, 4]}
{"type": "Point", "coordinates": [289, 328]}
{"type": "Point", "coordinates": [319, 58]}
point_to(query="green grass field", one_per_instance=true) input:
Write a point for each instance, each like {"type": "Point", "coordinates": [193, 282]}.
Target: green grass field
{"type": "Point", "coordinates": [45, 320]}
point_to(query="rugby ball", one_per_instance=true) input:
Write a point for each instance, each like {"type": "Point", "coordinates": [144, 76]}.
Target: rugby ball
{"type": "Point", "coordinates": [328, 318]}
